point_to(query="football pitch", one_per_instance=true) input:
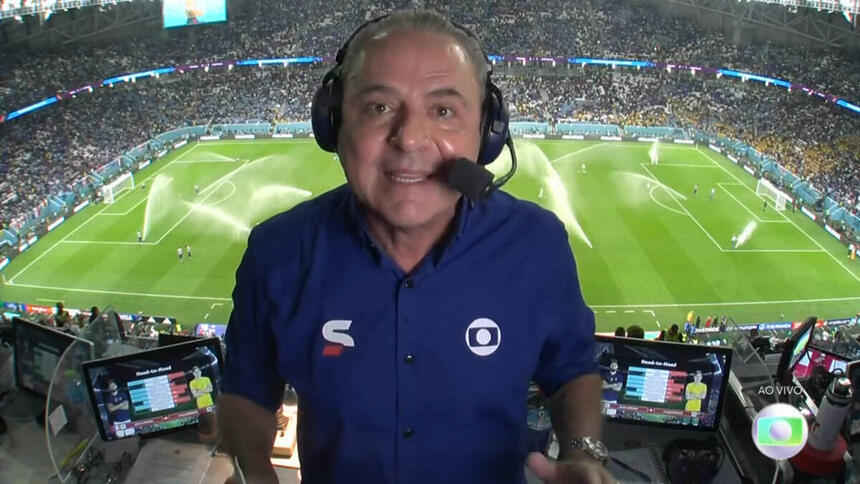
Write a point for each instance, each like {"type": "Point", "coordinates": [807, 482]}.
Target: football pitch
{"type": "Point", "coordinates": [648, 249]}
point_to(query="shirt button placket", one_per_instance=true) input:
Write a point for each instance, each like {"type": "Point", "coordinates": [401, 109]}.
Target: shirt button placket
{"type": "Point", "coordinates": [406, 385]}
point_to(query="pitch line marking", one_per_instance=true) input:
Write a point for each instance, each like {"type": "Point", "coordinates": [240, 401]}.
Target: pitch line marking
{"type": "Point", "coordinates": [649, 311]}
{"type": "Point", "coordinates": [684, 165]}
{"type": "Point", "coordinates": [651, 194]}
{"type": "Point", "coordinates": [684, 209]}
{"type": "Point", "coordinates": [49, 249]}
{"type": "Point", "coordinates": [221, 181]}
{"type": "Point", "coordinates": [855, 276]}
{"type": "Point", "coordinates": [574, 153]}
{"type": "Point", "coordinates": [788, 251]}
{"type": "Point", "coordinates": [123, 293]}
{"type": "Point", "coordinates": [755, 216]}
{"type": "Point", "coordinates": [226, 196]}
{"type": "Point", "coordinates": [122, 214]}
{"type": "Point", "coordinates": [214, 305]}
{"type": "Point", "coordinates": [742, 303]}
{"type": "Point", "coordinates": [629, 311]}
{"type": "Point", "coordinates": [104, 242]}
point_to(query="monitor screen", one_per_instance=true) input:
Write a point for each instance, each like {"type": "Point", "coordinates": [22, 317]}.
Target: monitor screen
{"type": "Point", "coordinates": [154, 391]}
{"type": "Point", "coordinates": [207, 330]}
{"type": "Point", "coordinates": [816, 357]}
{"type": "Point", "coordinates": [179, 13]}
{"type": "Point", "coordinates": [666, 384]}
{"type": "Point", "coordinates": [37, 351]}
{"type": "Point", "coordinates": [165, 339]}
{"type": "Point", "coordinates": [795, 348]}
{"type": "Point", "coordinates": [853, 373]}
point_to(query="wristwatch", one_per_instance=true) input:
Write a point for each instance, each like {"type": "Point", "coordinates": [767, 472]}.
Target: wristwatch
{"type": "Point", "coordinates": [594, 448]}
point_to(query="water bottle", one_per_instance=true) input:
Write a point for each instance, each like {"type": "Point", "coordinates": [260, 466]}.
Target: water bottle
{"type": "Point", "coordinates": [831, 414]}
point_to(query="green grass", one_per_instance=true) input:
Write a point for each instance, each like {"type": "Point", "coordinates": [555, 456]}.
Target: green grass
{"type": "Point", "coordinates": [648, 250]}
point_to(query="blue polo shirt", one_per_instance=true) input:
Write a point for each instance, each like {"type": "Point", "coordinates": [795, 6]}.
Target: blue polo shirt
{"type": "Point", "coordinates": [408, 378]}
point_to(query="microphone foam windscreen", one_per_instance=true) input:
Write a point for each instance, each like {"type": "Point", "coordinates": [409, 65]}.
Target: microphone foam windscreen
{"type": "Point", "coordinates": [470, 179]}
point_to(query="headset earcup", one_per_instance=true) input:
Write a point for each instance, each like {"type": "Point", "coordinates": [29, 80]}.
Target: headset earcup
{"type": "Point", "coordinates": [494, 125]}
{"type": "Point", "coordinates": [325, 113]}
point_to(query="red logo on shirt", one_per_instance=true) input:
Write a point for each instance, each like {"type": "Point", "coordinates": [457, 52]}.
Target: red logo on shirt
{"type": "Point", "coordinates": [335, 332]}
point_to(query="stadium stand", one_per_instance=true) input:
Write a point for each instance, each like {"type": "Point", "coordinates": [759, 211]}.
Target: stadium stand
{"type": "Point", "coordinates": [51, 151]}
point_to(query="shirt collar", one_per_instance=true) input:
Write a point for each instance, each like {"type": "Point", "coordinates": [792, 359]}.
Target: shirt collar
{"type": "Point", "coordinates": [358, 223]}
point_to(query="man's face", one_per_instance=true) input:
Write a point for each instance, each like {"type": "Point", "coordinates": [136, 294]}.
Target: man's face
{"type": "Point", "coordinates": [412, 107]}
{"type": "Point", "coordinates": [697, 377]}
{"type": "Point", "coordinates": [197, 372]}
{"type": "Point", "coordinates": [613, 367]}
{"type": "Point", "coordinates": [112, 387]}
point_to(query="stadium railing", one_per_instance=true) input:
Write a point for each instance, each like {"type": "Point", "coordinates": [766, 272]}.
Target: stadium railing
{"type": "Point", "coordinates": [655, 132]}
{"type": "Point", "coordinates": [566, 127]}
{"type": "Point", "coordinates": [301, 127]}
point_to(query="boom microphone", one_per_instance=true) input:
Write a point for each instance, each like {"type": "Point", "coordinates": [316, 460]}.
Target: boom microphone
{"type": "Point", "coordinates": [475, 181]}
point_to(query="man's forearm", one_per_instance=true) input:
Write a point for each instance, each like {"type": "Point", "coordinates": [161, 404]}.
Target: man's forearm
{"type": "Point", "coordinates": [575, 410]}
{"type": "Point", "coordinates": [247, 430]}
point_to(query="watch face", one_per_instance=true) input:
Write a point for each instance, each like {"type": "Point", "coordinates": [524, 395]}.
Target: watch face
{"type": "Point", "coordinates": [594, 448]}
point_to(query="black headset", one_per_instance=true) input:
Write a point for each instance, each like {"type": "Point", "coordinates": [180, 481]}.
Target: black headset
{"type": "Point", "coordinates": [326, 107]}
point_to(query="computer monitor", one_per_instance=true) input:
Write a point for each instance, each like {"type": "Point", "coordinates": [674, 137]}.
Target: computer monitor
{"type": "Point", "coordinates": [208, 330]}
{"type": "Point", "coordinates": [37, 350]}
{"type": "Point", "coordinates": [853, 374]}
{"type": "Point", "coordinates": [816, 357]}
{"type": "Point", "coordinates": [795, 348]}
{"type": "Point", "coordinates": [673, 385]}
{"type": "Point", "coordinates": [165, 339]}
{"type": "Point", "coordinates": [154, 391]}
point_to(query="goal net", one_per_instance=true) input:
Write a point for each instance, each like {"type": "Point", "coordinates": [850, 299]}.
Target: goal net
{"type": "Point", "coordinates": [110, 191]}
{"type": "Point", "coordinates": [765, 188]}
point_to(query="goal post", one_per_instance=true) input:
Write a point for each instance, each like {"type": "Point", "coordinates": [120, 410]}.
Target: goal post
{"type": "Point", "coordinates": [110, 191]}
{"type": "Point", "coordinates": [764, 188]}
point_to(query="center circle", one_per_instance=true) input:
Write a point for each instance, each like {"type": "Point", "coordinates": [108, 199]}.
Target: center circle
{"type": "Point", "coordinates": [483, 337]}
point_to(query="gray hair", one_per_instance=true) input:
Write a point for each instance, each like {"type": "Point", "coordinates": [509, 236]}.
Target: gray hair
{"type": "Point", "coordinates": [417, 21]}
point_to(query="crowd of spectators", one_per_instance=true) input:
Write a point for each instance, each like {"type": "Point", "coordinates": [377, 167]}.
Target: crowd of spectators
{"type": "Point", "coordinates": [44, 152]}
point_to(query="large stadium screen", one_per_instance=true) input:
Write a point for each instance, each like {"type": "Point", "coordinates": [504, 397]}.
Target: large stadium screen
{"type": "Point", "coordinates": [180, 13]}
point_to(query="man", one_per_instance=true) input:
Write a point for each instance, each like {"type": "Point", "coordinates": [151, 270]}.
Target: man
{"type": "Point", "coordinates": [713, 192]}
{"type": "Point", "coordinates": [635, 331]}
{"type": "Point", "coordinates": [139, 236]}
{"type": "Point", "coordinates": [695, 393]}
{"type": "Point", "coordinates": [179, 253]}
{"type": "Point", "coordinates": [188, 251]}
{"type": "Point", "coordinates": [734, 241]}
{"type": "Point", "coordinates": [674, 333]}
{"type": "Point", "coordinates": [410, 319]}
{"type": "Point", "coordinates": [201, 388]}
{"type": "Point", "coordinates": [613, 380]}
{"type": "Point", "coordinates": [62, 317]}
{"type": "Point", "coordinates": [695, 189]}
{"type": "Point", "coordinates": [116, 403]}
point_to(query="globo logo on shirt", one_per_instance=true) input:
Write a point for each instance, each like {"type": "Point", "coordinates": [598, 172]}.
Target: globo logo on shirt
{"type": "Point", "coordinates": [335, 332]}
{"type": "Point", "coordinates": [483, 336]}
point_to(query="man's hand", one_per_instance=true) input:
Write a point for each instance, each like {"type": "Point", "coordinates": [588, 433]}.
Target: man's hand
{"type": "Point", "coordinates": [585, 470]}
